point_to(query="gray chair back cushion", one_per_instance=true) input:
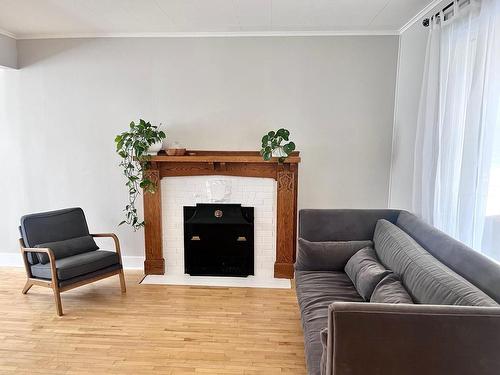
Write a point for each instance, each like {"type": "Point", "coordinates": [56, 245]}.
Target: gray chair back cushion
{"type": "Point", "coordinates": [341, 225]}
{"type": "Point", "coordinates": [53, 226]}
{"type": "Point", "coordinates": [468, 263]}
{"type": "Point", "coordinates": [427, 280]}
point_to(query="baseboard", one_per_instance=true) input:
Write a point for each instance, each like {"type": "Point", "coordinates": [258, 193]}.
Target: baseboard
{"type": "Point", "coordinates": [133, 262]}
{"type": "Point", "coordinates": [11, 260]}
{"type": "Point", "coordinates": [242, 282]}
{"type": "Point", "coordinates": [15, 260]}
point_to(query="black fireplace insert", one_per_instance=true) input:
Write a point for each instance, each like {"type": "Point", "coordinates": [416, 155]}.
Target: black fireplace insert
{"type": "Point", "coordinates": [218, 240]}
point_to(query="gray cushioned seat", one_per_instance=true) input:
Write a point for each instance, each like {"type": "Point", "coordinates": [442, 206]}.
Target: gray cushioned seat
{"type": "Point", "coordinates": [77, 265]}
{"type": "Point", "coordinates": [315, 292]}
{"type": "Point", "coordinates": [90, 275]}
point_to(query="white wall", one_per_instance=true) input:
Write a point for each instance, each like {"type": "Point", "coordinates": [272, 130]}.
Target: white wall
{"type": "Point", "coordinates": [61, 111]}
{"type": "Point", "coordinates": [410, 71]}
{"type": "Point", "coordinates": [412, 49]}
{"type": "Point", "coordinates": [8, 52]}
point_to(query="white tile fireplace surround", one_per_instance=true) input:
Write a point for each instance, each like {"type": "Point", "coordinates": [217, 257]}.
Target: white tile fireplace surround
{"type": "Point", "coordinates": [259, 193]}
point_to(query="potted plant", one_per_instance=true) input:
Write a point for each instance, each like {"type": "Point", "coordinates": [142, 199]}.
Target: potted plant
{"type": "Point", "coordinates": [272, 145]}
{"type": "Point", "coordinates": [134, 147]}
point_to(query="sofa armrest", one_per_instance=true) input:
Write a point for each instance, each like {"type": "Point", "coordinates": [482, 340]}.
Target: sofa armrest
{"type": "Point", "coordinates": [373, 338]}
{"type": "Point", "coordinates": [115, 240]}
{"type": "Point", "coordinates": [341, 225]}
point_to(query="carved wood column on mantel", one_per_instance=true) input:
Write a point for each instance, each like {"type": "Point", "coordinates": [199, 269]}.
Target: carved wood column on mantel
{"type": "Point", "coordinates": [228, 163]}
{"type": "Point", "coordinates": [154, 263]}
{"type": "Point", "coordinates": [286, 223]}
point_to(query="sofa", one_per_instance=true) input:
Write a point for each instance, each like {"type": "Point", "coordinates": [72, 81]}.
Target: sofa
{"type": "Point", "coordinates": [382, 292]}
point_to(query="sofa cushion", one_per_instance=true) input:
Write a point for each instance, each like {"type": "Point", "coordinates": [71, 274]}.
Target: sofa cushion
{"type": "Point", "coordinates": [315, 292]}
{"type": "Point", "coordinates": [67, 248]}
{"type": "Point", "coordinates": [390, 290]}
{"type": "Point", "coordinates": [365, 271]}
{"type": "Point", "coordinates": [478, 269]}
{"type": "Point", "coordinates": [77, 265]}
{"type": "Point", "coordinates": [341, 225]}
{"type": "Point", "coordinates": [326, 256]}
{"type": "Point", "coordinates": [426, 279]}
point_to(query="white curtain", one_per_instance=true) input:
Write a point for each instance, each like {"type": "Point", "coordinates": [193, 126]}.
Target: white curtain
{"type": "Point", "coordinates": [457, 157]}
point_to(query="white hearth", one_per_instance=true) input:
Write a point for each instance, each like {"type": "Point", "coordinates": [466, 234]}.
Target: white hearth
{"type": "Point", "coordinates": [259, 193]}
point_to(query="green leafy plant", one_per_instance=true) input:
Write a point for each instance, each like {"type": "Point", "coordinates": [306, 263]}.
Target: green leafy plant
{"type": "Point", "coordinates": [132, 146]}
{"type": "Point", "coordinates": [271, 144]}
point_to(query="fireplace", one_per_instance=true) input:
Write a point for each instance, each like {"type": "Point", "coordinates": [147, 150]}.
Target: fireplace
{"type": "Point", "coordinates": [244, 164]}
{"type": "Point", "coordinates": [218, 240]}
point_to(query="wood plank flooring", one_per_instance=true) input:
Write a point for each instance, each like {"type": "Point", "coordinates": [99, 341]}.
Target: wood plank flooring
{"type": "Point", "coordinates": [153, 329]}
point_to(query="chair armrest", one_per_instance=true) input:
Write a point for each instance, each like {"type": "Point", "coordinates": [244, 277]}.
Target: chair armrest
{"type": "Point", "coordinates": [374, 338]}
{"type": "Point", "coordinates": [46, 250]}
{"type": "Point", "coordinates": [115, 239]}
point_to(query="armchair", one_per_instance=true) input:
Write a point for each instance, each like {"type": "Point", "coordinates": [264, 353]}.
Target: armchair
{"type": "Point", "coordinates": [59, 253]}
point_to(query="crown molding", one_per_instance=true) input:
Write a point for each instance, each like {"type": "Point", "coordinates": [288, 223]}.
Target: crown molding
{"type": "Point", "coordinates": [420, 15]}
{"type": "Point", "coordinates": [227, 34]}
{"type": "Point", "coordinates": [7, 33]}
{"type": "Point", "coordinates": [214, 34]}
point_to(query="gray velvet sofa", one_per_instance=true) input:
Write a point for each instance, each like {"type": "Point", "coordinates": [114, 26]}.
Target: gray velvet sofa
{"type": "Point", "coordinates": [450, 326]}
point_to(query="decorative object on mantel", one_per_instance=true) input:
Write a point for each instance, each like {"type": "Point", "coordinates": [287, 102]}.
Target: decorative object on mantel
{"type": "Point", "coordinates": [154, 148]}
{"type": "Point", "coordinates": [227, 163]}
{"type": "Point", "coordinates": [271, 145]}
{"type": "Point", "coordinates": [176, 150]}
{"type": "Point", "coordinates": [135, 147]}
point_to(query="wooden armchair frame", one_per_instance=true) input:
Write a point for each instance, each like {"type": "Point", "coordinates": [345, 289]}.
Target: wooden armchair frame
{"type": "Point", "coordinates": [53, 283]}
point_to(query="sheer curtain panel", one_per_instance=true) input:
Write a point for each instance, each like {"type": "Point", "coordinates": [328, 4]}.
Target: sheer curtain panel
{"type": "Point", "coordinates": [457, 157]}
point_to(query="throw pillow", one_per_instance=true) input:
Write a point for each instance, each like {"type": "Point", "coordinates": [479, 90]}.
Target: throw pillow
{"type": "Point", "coordinates": [67, 248]}
{"type": "Point", "coordinates": [365, 271]}
{"type": "Point", "coordinates": [390, 290]}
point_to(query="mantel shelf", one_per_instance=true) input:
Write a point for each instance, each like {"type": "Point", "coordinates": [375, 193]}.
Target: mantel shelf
{"type": "Point", "coordinates": [193, 156]}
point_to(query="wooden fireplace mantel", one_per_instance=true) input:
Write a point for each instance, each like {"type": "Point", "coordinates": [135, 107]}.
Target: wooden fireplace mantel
{"type": "Point", "coordinates": [229, 163]}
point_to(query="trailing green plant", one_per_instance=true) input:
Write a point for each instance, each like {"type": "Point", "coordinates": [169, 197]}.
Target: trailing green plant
{"type": "Point", "coordinates": [132, 146]}
{"type": "Point", "coordinates": [271, 144]}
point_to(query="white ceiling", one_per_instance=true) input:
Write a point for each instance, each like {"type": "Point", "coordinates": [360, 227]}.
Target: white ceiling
{"type": "Point", "coordinates": [72, 18]}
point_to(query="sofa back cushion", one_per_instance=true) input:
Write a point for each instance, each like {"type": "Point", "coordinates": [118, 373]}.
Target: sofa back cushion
{"type": "Point", "coordinates": [341, 225]}
{"type": "Point", "coordinates": [365, 271]}
{"type": "Point", "coordinates": [390, 290]}
{"type": "Point", "coordinates": [67, 248]}
{"type": "Point", "coordinates": [478, 269]}
{"type": "Point", "coordinates": [326, 256]}
{"type": "Point", "coordinates": [427, 280]}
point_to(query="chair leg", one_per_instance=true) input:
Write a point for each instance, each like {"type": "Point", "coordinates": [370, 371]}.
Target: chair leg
{"type": "Point", "coordinates": [122, 281]}
{"type": "Point", "coordinates": [27, 286]}
{"type": "Point", "coordinates": [57, 297]}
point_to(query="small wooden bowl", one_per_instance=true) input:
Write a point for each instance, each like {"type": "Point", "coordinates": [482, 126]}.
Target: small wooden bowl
{"type": "Point", "coordinates": [176, 151]}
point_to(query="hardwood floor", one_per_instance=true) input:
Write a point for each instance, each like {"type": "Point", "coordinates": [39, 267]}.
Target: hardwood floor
{"type": "Point", "coordinates": [151, 329]}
